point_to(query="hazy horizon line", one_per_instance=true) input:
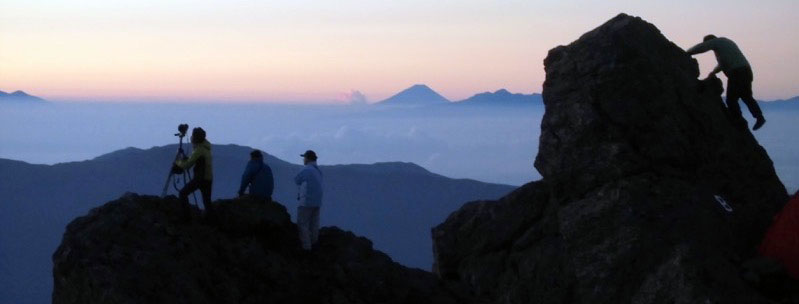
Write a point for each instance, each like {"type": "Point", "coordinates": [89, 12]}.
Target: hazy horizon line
{"type": "Point", "coordinates": [183, 100]}
{"type": "Point", "coordinates": [244, 102]}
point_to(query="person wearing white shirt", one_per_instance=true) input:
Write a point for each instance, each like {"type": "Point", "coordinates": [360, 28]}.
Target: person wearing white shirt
{"type": "Point", "coordinates": [309, 181]}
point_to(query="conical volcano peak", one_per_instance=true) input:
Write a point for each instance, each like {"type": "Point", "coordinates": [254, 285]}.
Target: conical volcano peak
{"type": "Point", "coordinates": [418, 94]}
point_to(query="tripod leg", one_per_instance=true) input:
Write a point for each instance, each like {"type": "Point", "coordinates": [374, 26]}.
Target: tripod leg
{"type": "Point", "coordinates": [166, 185]}
{"type": "Point", "coordinates": [186, 178]}
{"type": "Point", "coordinates": [170, 176]}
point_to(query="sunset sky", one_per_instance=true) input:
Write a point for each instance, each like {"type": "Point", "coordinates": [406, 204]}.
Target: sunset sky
{"type": "Point", "coordinates": [322, 51]}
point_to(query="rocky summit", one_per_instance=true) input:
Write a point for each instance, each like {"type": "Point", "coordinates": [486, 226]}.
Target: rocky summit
{"type": "Point", "coordinates": [650, 193]}
{"type": "Point", "coordinates": [138, 249]}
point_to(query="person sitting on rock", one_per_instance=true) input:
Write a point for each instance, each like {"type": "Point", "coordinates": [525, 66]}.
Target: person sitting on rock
{"type": "Point", "coordinates": [258, 176]}
{"type": "Point", "coordinates": [203, 178]}
{"type": "Point", "coordinates": [739, 75]}
{"type": "Point", "coordinates": [310, 200]}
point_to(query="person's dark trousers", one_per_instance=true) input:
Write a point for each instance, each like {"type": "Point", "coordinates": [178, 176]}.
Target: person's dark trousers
{"type": "Point", "coordinates": [205, 189]}
{"type": "Point", "coordinates": [264, 200]}
{"type": "Point", "coordinates": [739, 85]}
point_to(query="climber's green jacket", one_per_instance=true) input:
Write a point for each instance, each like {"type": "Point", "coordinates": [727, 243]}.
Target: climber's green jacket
{"type": "Point", "coordinates": [728, 55]}
{"type": "Point", "coordinates": [201, 160]}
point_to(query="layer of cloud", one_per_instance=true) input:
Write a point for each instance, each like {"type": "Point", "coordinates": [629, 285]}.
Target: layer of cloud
{"type": "Point", "coordinates": [354, 97]}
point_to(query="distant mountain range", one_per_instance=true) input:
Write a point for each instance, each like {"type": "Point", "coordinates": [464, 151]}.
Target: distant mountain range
{"type": "Point", "coordinates": [393, 204]}
{"type": "Point", "coordinates": [421, 95]}
{"type": "Point", "coordinates": [781, 104]}
{"type": "Point", "coordinates": [502, 96]}
{"type": "Point", "coordinates": [19, 97]}
{"type": "Point", "coordinates": [792, 99]}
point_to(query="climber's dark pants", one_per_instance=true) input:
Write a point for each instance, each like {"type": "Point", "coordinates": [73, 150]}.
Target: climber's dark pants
{"type": "Point", "coordinates": [205, 188]}
{"type": "Point", "coordinates": [739, 85]}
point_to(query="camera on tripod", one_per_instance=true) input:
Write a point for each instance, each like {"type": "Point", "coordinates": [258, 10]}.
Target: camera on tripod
{"type": "Point", "coordinates": [176, 171]}
{"type": "Point", "coordinates": [182, 129]}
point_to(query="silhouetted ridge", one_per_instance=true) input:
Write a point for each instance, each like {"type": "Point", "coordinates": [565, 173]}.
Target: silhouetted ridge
{"type": "Point", "coordinates": [633, 152]}
{"type": "Point", "coordinates": [794, 99]}
{"type": "Point", "coordinates": [137, 249]}
{"type": "Point", "coordinates": [119, 154]}
{"type": "Point", "coordinates": [782, 104]}
{"type": "Point", "coordinates": [19, 97]}
{"type": "Point", "coordinates": [416, 95]}
{"type": "Point", "coordinates": [382, 167]}
{"type": "Point", "coordinates": [502, 97]}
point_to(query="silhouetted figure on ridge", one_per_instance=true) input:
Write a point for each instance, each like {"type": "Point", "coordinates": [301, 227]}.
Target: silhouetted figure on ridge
{"type": "Point", "coordinates": [203, 178]}
{"type": "Point", "coordinates": [739, 75]}
{"type": "Point", "coordinates": [309, 181]}
{"type": "Point", "coordinates": [258, 176]}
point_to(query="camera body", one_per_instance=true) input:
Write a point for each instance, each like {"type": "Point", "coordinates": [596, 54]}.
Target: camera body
{"type": "Point", "coordinates": [182, 129]}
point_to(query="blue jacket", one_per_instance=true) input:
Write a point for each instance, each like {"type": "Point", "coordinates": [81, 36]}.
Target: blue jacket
{"type": "Point", "coordinates": [310, 182]}
{"type": "Point", "coordinates": [258, 176]}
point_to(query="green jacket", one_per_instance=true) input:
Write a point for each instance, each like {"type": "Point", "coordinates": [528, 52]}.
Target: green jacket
{"type": "Point", "coordinates": [201, 160]}
{"type": "Point", "coordinates": [728, 55]}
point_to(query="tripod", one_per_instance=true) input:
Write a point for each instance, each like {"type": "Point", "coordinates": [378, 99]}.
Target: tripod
{"type": "Point", "coordinates": [186, 174]}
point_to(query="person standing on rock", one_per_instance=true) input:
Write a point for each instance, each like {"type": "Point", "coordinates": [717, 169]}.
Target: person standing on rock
{"type": "Point", "coordinates": [203, 177]}
{"type": "Point", "coordinates": [739, 75]}
{"type": "Point", "coordinates": [258, 176]}
{"type": "Point", "coordinates": [309, 181]}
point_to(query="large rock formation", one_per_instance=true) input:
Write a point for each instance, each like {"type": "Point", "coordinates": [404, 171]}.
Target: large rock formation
{"type": "Point", "coordinates": [633, 151]}
{"type": "Point", "coordinates": [138, 250]}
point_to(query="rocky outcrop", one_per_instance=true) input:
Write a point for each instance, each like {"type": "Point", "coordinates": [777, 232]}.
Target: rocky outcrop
{"type": "Point", "coordinates": [137, 249]}
{"type": "Point", "coordinates": [638, 160]}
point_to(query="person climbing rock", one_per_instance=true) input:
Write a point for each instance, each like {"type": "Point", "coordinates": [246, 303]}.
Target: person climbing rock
{"type": "Point", "coordinates": [258, 177]}
{"type": "Point", "coordinates": [203, 178]}
{"type": "Point", "coordinates": [309, 181]}
{"type": "Point", "coordinates": [733, 63]}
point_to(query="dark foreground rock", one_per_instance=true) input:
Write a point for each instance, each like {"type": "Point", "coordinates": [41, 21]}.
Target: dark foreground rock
{"type": "Point", "coordinates": [633, 151]}
{"type": "Point", "coordinates": [138, 250]}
